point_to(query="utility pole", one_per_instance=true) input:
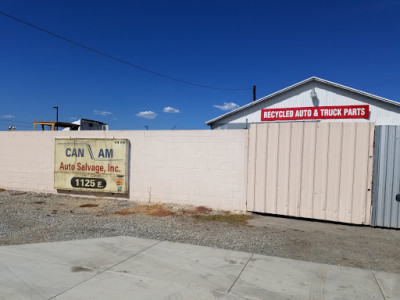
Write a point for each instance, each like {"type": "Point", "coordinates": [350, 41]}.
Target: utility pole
{"type": "Point", "coordinates": [254, 93]}
{"type": "Point", "coordinates": [56, 107]}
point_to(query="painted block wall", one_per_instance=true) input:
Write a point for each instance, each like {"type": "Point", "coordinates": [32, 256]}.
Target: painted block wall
{"type": "Point", "coordinates": [185, 167]}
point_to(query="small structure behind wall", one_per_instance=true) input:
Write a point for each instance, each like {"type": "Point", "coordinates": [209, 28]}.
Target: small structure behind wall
{"type": "Point", "coordinates": [53, 125]}
{"type": "Point", "coordinates": [86, 124]}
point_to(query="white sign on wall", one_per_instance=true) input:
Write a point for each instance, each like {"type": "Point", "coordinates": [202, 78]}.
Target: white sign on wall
{"type": "Point", "coordinates": [93, 165]}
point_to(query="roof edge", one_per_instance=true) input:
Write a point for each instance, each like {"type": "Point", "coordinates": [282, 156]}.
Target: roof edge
{"type": "Point", "coordinates": [313, 78]}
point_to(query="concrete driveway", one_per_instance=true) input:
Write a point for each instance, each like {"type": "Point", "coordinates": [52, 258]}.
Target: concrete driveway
{"type": "Point", "coordinates": [133, 268]}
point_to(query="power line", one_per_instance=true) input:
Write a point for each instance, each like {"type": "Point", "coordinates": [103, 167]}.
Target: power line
{"type": "Point", "coordinates": [118, 59]}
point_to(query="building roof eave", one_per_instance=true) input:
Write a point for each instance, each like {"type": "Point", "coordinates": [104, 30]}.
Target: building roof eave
{"type": "Point", "coordinates": [299, 84]}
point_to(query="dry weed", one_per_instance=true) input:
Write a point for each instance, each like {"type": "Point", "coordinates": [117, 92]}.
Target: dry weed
{"type": "Point", "coordinates": [199, 210]}
{"type": "Point", "coordinates": [152, 210]}
{"type": "Point", "coordinates": [228, 218]}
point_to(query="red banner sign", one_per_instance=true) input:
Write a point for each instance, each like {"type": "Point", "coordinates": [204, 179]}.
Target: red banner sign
{"type": "Point", "coordinates": [316, 113]}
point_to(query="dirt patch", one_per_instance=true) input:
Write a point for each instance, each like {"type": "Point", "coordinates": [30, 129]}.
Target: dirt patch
{"type": "Point", "coordinates": [80, 269]}
{"type": "Point", "coordinates": [157, 210]}
{"type": "Point", "coordinates": [19, 194]}
{"type": "Point", "coordinates": [228, 218]}
{"type": "Point", "coordinates": [2, 190]}
{"type": "Point", "coordinates": [162, 210]}
{"type": "Point", "coordinates": [89, 205]}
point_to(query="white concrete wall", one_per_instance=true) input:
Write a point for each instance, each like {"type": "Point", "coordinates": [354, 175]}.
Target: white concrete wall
{"type": "Point", "coordinates": [185, 167]}
{"type": "Point", "coordinates": [381, 113]}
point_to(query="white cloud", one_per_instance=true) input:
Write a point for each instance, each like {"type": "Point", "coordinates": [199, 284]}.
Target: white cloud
{"type": "Point", "coordinates": [8, 117]}
{"type": "Point", "coordinates": [102, 112]}
{"type": "Point", "coordinates": [227, 106]}
{"type": "Point", "coordinates": [147, 114]}
{"type": "Point", "coordinates": [171, 110]}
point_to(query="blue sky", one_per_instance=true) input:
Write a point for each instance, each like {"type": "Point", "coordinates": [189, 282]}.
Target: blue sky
{"type": "Point", "coordinates": [226, 44]}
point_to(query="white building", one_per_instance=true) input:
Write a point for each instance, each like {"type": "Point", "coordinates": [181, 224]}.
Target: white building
{"type": "Point", "coordinates": [85, 124]}
{"type": "Point", "coordinates": [313, 99]}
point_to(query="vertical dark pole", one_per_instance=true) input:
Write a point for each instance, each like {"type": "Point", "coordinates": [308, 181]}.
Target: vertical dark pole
{"type": "Point", "coordinates": [254, 93]}
{"type": "Point", "coordinates": [56, 107]}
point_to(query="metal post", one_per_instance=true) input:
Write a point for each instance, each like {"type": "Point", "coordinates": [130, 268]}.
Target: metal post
{"type": "Point", "coordinates": [56, 107]}
{"type": "Point", "coordinates": [254, 93]}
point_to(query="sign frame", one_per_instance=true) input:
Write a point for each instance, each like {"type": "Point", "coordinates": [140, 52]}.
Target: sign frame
{"type": "Point", "coordinates": [102, 174]}
{"type": "Point", "coordinates": [316, 113]}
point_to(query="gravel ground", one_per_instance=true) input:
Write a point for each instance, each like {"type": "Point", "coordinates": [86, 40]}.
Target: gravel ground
{"type": "Point", "coordinates": [33, 218]}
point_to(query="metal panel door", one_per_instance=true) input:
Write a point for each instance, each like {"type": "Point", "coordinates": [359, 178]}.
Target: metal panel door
{"type": "Point", "coordinates": [311, 170]}
{"type": "Point", "coordinates": [386, 208]}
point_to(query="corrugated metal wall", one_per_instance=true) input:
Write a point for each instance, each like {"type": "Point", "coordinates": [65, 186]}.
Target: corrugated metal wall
{"type": "Point", "coordinates": [311, 170]}
{"type": "Point", "coordinates": [386, 210]}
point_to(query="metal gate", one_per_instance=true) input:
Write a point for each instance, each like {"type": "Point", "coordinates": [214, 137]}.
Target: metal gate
{"type": "Point", "coordinates": [311, 170]}
{"type": "Point", "coordinates": [386, 208]}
